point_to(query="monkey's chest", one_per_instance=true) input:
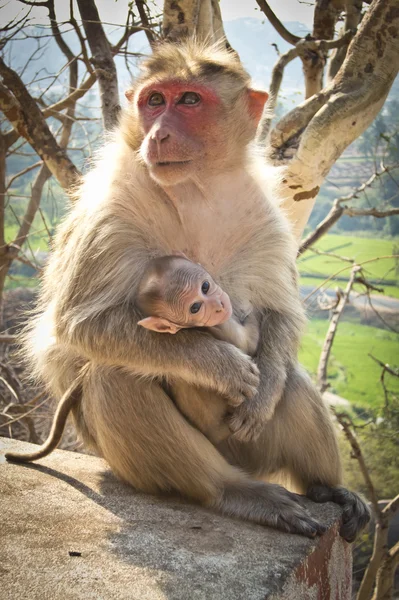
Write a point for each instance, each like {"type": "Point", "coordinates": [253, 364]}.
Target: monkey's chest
{"type": "Point", "coordinates": [214, 234]}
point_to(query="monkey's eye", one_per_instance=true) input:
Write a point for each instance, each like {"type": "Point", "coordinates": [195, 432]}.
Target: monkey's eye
{"type": "Point", "coordinates": [189, 98]}
{"type": "Point", "coordinates": [205, 287]}
{"type": "Point", "coordinates": [194, 308]}
{"type": "Point", "coordinates": [156, 99]}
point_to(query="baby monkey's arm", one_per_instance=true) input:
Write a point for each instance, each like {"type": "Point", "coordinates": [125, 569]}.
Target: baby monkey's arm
{"type": "Point", "coordinates": [244, 336]}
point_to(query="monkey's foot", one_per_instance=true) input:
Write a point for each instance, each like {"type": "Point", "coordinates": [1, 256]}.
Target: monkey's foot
{"type": "Point", "coordinates": [355, 514]}
{"type": "Point", "coordinates": [269, 504]}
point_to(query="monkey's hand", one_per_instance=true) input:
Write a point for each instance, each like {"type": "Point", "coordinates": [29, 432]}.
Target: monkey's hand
{"type": "Point", "coordinates": [239, 383]}
{"type": "Point", "coordinates": [249, 419]}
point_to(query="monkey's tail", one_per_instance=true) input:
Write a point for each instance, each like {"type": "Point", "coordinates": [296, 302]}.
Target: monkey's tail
{"type": "Point", "coordinates": [71, 397]}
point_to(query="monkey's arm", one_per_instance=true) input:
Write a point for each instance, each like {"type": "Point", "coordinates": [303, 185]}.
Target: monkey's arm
{"type": "Point", "coordinates": [112, 337]}
{"type": "Point", "coordinates": [93, 279]}
{"type": "Point", "coordinates": [277, 349]}
{"type": "Point", "coordinates": [232, 332]}
{"type": "Point", "coordinates": [243, 335]}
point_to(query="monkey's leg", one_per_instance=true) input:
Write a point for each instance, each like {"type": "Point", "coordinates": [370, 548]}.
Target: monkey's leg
{"type": "Point", "coordinates": [67, 402]}
{"type": "Point", "coordinates": [149, 444]}
{"type": "Point", "coordinates": [302, 439]}
{"type": "Point", "coordinates": [203, 408]}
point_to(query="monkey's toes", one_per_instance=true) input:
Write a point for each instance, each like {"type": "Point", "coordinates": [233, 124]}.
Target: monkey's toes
{"type": "Point", "coordinates": [355, 514]}
{"type": "Point", "coordinates": [301, 524]}
{"type": "Point", "coordinates": [294, 518]}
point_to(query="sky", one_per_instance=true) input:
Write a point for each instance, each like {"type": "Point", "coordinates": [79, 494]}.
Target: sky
{"type": "Point", "coordinates": [115, 11]}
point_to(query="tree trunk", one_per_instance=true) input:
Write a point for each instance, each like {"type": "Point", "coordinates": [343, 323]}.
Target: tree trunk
{"type": "Point", "coordinates": [3, 247]}
{"type": "Point", "coordinates": [27, 119]}
{"type": "Point", "coordinates": [353, 13]}
{"type": "Point", "coordinates": [201, 18]}
{"type": "Point", "coordinates": [314, 60]}
{"type": "Point", "coordinates": [103, 60]}
{"type": "Point", "coordinates": [312, 136]}
{"type": "Point", "coordinates": [385, 576]}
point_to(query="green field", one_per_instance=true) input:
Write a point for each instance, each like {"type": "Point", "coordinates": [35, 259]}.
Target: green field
{"type": "Point", "coordinates": [315, 269]}
{"type": "Point", "coordinates": [352, 373]}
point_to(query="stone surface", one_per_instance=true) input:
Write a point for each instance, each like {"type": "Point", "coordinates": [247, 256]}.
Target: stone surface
{"type": "Point", "coordinates": [132, 546]}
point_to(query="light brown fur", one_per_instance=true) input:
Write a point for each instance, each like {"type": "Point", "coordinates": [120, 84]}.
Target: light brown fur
{"type": "Point", "coordinates": [221, 216]}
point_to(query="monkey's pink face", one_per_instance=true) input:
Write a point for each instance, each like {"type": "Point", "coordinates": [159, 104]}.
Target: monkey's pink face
{"type": "Point", "coordinates": [206, 306]}
{"type": "Point", "coordinates": [181, 124]}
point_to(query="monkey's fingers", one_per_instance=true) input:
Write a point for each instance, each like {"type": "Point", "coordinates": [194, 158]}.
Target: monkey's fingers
{"type": "Point", "coordinates": [355, 514]}
{"type": "Point", "coordinates": [246, 423]}
{"type": "Point", "coordinates": [243, 383]}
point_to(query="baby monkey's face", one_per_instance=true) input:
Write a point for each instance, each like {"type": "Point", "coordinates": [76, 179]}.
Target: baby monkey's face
{"type": "Point", "coordinates": [188, 297]}
{"type": "Point", "coordinates": [201, 303]}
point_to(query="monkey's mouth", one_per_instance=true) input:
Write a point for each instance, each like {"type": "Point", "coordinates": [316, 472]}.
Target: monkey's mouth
{"type": "Point", "coordinates": [172, 163]}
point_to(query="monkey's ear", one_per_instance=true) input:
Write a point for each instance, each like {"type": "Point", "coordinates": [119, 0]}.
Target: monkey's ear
{"type": "Point", "coordinates": [129, 94]}
{"type": "Point", "coordinates": [257, 100]}
{"type": "Point", "coordinates": [159, 325]}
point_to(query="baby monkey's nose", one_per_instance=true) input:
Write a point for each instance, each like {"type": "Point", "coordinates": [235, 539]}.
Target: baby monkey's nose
{"type": "Point", "coordinates": [220, 306]}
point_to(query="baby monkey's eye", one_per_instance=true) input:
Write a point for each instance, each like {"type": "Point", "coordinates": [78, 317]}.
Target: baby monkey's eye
{"type": "Point", "coordinates": [156, 99]}
{"type": "Point", "coordinates": [205, 287]}
{"type": "Point", "coordinates": [189, 98]}
{"type": "Point", "coordinates": [194, 308]}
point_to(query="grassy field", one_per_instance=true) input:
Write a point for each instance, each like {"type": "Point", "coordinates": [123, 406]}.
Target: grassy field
{"type": "Point", "coordinates": [352, 373]}
{"type": "Point", "coordinates": [315, 269]}
{"type": "Point", "coordinates": [357, 248]}
{"type": "Point", "coordinates": [389, 290]}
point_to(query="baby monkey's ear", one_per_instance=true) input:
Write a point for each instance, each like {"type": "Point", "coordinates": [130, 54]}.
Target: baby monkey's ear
{"type": "Point", "coordinates": [159, 325]}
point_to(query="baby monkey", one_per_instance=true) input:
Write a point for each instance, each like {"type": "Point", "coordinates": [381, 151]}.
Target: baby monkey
{"type": "Point", "coordinates": [176, 293]}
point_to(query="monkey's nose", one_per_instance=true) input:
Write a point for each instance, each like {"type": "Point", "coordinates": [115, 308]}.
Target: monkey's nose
{"type": "Point", "coordinates": [220, 306]}
{"type": "Point", "coordinates": [160, 135]}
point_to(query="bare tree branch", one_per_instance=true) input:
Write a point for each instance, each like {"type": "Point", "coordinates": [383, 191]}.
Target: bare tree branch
{"type": "Point", "coordinates": [25, 116]}
{"type": "Point", "coordinates": [275, 84]}
{"type": "Point", "coordinates": [332, 329]}
{"type": "Point", "coordinates": [277, 24]}
{"type": "Point", "coordinates": [141, 7]}
{"type": "Point", "coordinates": [301, 48]}
{"type": "Point", "coordinates": [386, 367]}
{"type": "Point", "coordinates": [353, 14]}
{"type": "Point", "coordinates": [103, 60]}
{"type": "Point", "coordinates": [348, 428]}
{"type": "Point", "coordinates": [370, 212]}
{"type": "Point", "coordinates": [324, 129]}
{"type": "Point", "coordinates": [338, 210]}
{"type": "Point", "coordinates": [22, 173]}
{"type": "Point", "coordinates": [73, 97]}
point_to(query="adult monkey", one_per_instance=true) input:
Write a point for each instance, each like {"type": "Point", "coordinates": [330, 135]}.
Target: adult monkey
{"type": "Point", "coordinates": [178, 176]}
